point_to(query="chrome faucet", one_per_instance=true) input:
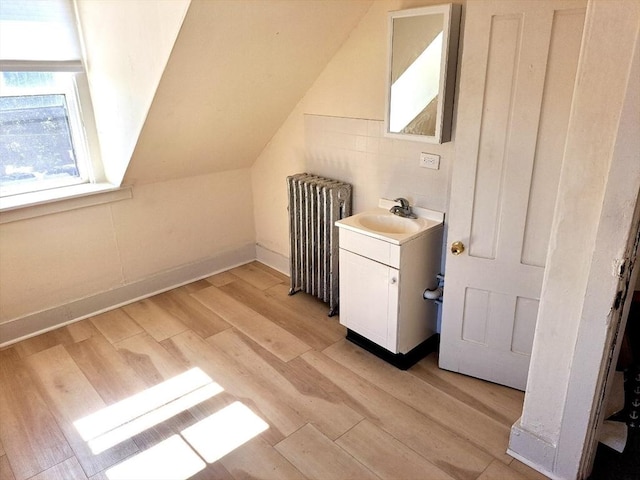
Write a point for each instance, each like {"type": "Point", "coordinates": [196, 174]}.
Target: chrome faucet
{"type": "Point", "coordinates": [402, 210]}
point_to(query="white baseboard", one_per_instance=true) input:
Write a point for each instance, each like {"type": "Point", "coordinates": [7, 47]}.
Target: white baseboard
{"type": "Point", "coordinates": [532, 451]}
{"type": "Point", "coordinates": [273, 259]}
{"type": "Point", "coordinates": [33, 324]}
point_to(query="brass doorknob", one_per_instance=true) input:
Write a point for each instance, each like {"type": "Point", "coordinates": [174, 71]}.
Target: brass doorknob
{"type": "Point", "coordinates": [457, 248]}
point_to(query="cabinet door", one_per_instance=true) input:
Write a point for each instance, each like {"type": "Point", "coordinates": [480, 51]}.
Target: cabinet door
{"type": "Point", "coordinates": [369, 298]}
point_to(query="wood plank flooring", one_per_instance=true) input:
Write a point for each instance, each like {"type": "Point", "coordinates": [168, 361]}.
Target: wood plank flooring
{"type": "Point", "coordinates": [230, 378]}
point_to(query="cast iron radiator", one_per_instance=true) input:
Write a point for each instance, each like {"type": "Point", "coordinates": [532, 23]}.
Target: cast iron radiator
{"type": "Point", "coordinates": [315, 203]}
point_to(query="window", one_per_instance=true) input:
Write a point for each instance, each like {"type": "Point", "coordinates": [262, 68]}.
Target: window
{"type": "Point", "coordinates": [42, 132]}
{"type": "Point", "coordinates": [41, 141]}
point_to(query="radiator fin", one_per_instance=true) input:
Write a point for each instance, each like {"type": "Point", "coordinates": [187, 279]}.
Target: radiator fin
{"type": "Point", "coordinates": [315, 204]}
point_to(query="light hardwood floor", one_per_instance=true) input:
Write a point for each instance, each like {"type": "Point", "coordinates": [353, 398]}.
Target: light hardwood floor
{"type": "Point", "coordinates": [274, 372]}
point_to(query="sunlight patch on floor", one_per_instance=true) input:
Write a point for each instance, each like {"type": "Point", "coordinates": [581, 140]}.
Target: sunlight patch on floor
{"type": "Point", "coordinates": [142, 403]}
{"type": "Point", "coordinates": [224, 431]}
{"type": "Point", "coordinates": [171, 459]}
{"type": "Point", "coordinates": [154, 417]}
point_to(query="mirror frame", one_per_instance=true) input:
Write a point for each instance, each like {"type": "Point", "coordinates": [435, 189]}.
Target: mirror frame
{"type": "Point", "coordinates": [448, 67]}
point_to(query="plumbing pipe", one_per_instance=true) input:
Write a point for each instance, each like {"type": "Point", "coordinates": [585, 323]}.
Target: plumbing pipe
{"type": "Point", "coordinates": [436, 293]}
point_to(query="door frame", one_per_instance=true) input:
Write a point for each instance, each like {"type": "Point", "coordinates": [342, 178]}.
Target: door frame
{"type": "Point", "coordinates": [567, 381]}
{"type": "Point", "coordinates": [619, 317]}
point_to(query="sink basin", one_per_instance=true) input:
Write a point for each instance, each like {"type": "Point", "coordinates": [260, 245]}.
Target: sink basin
{"type": "Point", "coordinates": [385, 223]}
{"type": "Point", "coordinates": [380, 223]}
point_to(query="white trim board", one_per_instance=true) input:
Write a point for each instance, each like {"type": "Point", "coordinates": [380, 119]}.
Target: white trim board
{"type": "Point", "coordinates": [273, 259]}
{"type": "Point", "coordinates": [37, 204]}
{"type": "Point", "coordinates": [533, 465]}
{"type": "Point", "coordinates": [34, 324]}
{"type": "Point", "coordinates": [541, 454]}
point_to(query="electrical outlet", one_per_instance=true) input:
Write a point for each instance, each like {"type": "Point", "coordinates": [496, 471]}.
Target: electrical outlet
{"type": "Point", "coordinates": [430, 160]}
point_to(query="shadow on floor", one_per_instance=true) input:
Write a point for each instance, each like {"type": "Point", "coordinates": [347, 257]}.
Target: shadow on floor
{"type": "Point", "coordinates": [611, 465]}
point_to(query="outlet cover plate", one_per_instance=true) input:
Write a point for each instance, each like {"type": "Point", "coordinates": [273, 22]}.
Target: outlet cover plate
{"type": "Point", "coordinates": [430, 160]}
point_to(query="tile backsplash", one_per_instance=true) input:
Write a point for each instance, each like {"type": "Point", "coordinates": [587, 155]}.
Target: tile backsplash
{"type": "Point", "coordinates": [356, 151]}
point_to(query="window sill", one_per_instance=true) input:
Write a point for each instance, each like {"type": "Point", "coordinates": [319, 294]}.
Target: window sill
{"type": "Point", "coordinates": [37, 204]}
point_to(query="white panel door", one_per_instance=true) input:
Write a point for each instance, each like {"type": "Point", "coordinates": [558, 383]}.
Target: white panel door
{"type": "Point", "coordinates": [517, 75]}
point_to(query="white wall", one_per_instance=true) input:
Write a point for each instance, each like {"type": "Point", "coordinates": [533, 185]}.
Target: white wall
{"type": "Point", "coordinates": [188, 224]}
{"type": "Point", "coordinates": [349, 92]}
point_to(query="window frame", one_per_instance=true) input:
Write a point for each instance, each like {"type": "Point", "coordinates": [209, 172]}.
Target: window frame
{"type": "Point", "coordinates": [94, 188]}
{"type": "Point", "coordinates": [77, 133]}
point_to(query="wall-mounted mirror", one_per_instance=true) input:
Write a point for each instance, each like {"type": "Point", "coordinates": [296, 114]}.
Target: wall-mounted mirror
{"type": "Point", "coordinates": [423, 47]}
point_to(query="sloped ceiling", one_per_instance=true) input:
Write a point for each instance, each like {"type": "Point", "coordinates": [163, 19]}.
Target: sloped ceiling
{"type": "Point", "coordinates": [126, 47]}
{"type": "Point", "coordinates": [236, 71]}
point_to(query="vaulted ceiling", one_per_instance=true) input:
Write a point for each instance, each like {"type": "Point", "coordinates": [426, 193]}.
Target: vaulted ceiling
{"type": "Point", "coordinates": [236, 71]}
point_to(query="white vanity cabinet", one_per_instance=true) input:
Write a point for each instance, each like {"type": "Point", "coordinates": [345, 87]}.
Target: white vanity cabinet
{"type": "Point", "coordinates": [382, 279]}
{"type": "Point", "coordinates": [369, 292]}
